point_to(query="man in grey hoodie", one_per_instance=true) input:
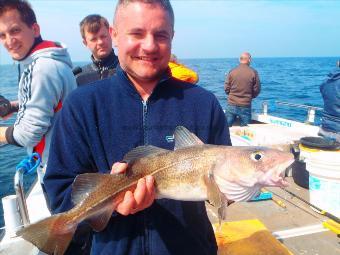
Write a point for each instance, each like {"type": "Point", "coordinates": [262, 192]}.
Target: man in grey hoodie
{"type": "Point", "coordinates": [46, 78]}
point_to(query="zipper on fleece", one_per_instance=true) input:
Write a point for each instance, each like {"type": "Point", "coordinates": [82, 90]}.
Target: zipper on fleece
{"type": "Point", "coordinates": [145, 112]}
{"type": "Point", "coordinates": [146, 237]}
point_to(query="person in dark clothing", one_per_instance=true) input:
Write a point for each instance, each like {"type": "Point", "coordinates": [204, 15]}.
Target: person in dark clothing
{"type": "Point", "coordinates": [140, 105]}
{"type": "Point", "coordinates": [94, 30]}
{"type": "Point", "coordinates": [330, 91]}
{"type": "Point", "coordinates": [241, 85]}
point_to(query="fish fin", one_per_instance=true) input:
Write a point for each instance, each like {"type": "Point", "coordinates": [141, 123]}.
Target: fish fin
{"type": "Point", "coordinates": [215, 196]}
{"type": "Point", "coordinates": [142, 151]}
{"type": "Point", "coordinates": [84, 184]}
{"type": "Point", "coordinates": [213, 192]}
{"type": "Point", "coordinates": [184, 138]}
{"type": "Point", "coordinates": [99, 222]}
{"type": "Point", "coordinates": [51, 235]}
{"type": "Point", "coordinates": [222, 212]}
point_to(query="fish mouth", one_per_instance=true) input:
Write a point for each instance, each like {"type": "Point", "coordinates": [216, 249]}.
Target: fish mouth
{"type": "Point", "coordinates": [278, 181]}
{"type": "Point", "coordinates": [275, 177]}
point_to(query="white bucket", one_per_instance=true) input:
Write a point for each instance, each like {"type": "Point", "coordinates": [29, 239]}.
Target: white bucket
{"type": "Point", "coordinates": [324, 180]}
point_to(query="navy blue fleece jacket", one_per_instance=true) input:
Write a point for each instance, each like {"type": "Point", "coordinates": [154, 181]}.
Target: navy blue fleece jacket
{"type": "Point", "coordinates": [100, 123]}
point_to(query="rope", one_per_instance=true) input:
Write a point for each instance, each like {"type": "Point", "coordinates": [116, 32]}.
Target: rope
{"type": "Point", "coordinates": [29, 164]}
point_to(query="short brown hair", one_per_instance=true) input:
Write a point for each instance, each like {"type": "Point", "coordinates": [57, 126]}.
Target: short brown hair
{"type": "Point", "coordinates": [25, 10]}
{"type": "Point", "coordinates": [92, 23]}
{"type": "Point", "coordinates": [165, 4]}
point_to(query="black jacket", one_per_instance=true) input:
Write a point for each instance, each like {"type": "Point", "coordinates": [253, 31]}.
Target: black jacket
{"type": "Point", "coordinates": [97, 70]}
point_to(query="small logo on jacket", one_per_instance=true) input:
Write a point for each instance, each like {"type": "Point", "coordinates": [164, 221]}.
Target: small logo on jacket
{"type": "Point", "coordinates": [170, 138]}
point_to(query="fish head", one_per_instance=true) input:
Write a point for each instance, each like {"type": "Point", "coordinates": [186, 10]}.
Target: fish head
{"type": "Point", "coordinates": [243, 171]}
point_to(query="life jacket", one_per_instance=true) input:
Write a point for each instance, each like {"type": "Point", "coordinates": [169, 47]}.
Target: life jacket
{"type": "Point", "coordinates": [183, 73]}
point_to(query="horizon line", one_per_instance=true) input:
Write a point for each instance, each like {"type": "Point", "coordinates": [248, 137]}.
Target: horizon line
{"type": "Point", "coordinates": [206, 58]}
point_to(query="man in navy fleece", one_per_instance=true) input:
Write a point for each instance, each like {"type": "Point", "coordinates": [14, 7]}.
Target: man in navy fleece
{"type": "Point", "coordinates": [141, 104]}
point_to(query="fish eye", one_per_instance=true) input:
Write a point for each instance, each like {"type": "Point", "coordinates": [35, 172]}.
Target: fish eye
{"type": "Point", "coordinates": [256, 156]}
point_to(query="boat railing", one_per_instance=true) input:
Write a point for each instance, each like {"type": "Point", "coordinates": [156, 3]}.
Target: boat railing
{"type": "Point", "coordinates": [20, 194]}
{"type": "Point", "coordinates": [14, 206]}
{"type": "Point", "coordinates": [311, 110]}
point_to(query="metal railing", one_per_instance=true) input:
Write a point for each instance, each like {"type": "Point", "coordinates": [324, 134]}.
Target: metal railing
{"type": "Point", "coordinates": [26, 166]}
{"type": "Point", "coordinates": [19, 191]}
{"type": "Point", "coordinates": [311, 110]}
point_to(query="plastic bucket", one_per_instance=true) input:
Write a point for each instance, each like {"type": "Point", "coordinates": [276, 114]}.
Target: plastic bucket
{"type": "Point", "coordinates": [324, 180]}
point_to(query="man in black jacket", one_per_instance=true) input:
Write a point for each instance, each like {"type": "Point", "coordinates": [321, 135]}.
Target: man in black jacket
{"type": "Point", "coordinates": [94, 30]}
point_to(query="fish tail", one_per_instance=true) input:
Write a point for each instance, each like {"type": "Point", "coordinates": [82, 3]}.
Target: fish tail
{"type": "Point", "coordinates": [51, 235]}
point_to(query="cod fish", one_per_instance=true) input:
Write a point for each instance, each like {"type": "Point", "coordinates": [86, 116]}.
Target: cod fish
{"type": "Point", "coordinates": [192, 172]}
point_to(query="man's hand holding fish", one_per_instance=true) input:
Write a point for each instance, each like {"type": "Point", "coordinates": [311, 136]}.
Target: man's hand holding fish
{"type": "Point", "coordinates": [137, 199]}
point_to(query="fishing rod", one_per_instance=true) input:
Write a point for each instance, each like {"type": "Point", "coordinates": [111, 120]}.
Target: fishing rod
{"type": "Point", "coordinates": [322, 212]}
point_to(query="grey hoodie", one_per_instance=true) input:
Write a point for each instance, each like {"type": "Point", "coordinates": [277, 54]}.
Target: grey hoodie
{"type": "Point", "coordinates": [45, 81]}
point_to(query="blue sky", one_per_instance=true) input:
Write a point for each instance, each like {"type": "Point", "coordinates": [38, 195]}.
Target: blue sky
{"type": "Point", "coordinates": [213, 29]}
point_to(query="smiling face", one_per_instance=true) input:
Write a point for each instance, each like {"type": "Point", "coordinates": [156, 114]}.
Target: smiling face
{"type": "Point", "coordinates": [99, 43]}
{"type": "Point", "coordinates": [143, 34]}
{"type": "Point", "coordinates": [15, 35]}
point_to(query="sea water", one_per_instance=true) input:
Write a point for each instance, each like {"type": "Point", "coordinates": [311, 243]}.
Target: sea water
{"type": "Point", "coordinates": [294, 80]}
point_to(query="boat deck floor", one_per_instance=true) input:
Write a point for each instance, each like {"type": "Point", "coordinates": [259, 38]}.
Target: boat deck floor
{"type": "Point", "coordinates": [296, 217]}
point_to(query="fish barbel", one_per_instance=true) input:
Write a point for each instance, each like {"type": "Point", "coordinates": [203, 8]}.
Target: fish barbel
{"type": "Point", "coordinates": [192, 172]}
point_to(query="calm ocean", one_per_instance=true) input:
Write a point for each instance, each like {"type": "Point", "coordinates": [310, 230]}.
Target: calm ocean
{"type": "Point", "coordinates": [294, 80]}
